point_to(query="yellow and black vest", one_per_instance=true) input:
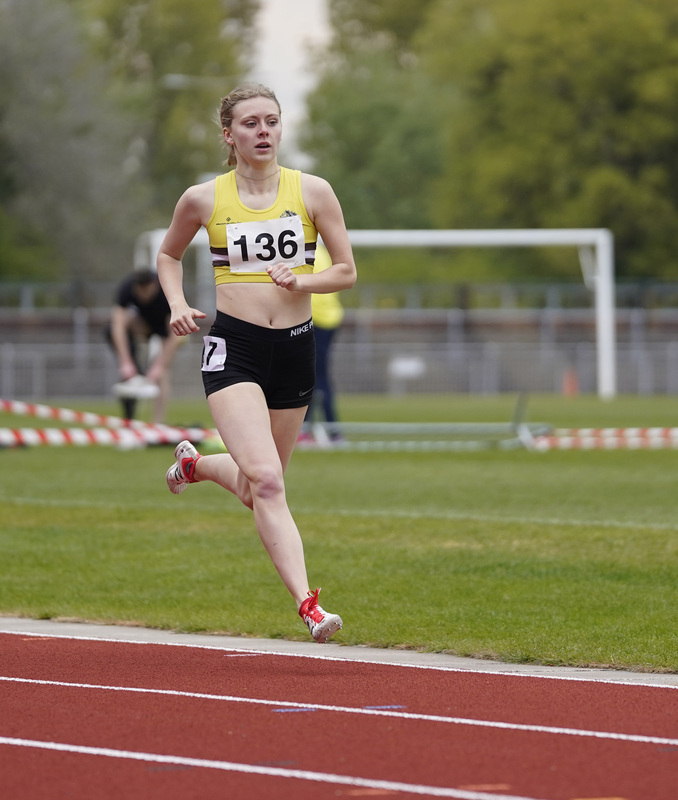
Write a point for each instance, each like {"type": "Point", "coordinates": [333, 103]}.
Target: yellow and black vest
{"type": "Point", "coordinates": [244, 241]}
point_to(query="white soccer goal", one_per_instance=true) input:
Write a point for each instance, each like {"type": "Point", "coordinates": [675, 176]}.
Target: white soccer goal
{"type": "Point", "coordinates": [596, 256]}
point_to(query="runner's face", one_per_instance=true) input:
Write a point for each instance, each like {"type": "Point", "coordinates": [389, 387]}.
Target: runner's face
{"type": "Point", "coordinates": [256, 130]}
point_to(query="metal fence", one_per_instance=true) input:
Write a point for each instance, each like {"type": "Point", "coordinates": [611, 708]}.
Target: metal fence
{"type": "Point", "coordinates": [88, 369]}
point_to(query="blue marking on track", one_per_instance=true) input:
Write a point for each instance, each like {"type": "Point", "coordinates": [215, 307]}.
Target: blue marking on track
{"type": "Point", "coordinates": [291, 710]}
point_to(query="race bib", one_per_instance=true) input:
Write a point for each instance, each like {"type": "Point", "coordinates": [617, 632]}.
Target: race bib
{"type": "Point", "coordinates": [252, 246]}
{"type": "Point", "coordinates": [213, 354]}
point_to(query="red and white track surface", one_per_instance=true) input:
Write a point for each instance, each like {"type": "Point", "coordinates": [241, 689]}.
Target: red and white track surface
{"type": "Point", "coordinates": [102, 712]}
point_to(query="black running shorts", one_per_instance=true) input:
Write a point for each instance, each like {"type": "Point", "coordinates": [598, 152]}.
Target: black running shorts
{"type": "Point", "coordinates": [280, 360]}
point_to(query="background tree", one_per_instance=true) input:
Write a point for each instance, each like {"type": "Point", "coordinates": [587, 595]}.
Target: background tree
{"type": "Point", "coordinates": [67, 199]}
{"type": "Point", "coordinates": [375, 126]}
{"type": "Point", "coordinates": [358, 22]}
{"type": "Point", "coordinates": [374, 123]}
{"type": "Point", "coordinates": [523, 114]}
{"type": "Point", "coordinates": [560, 116]}
{"type": "Point", "coordinates": [373, 134]}
{"type": "Point", "coordinates": [105, 117]}
{"type": "Point", "coordinates": [171, 65]}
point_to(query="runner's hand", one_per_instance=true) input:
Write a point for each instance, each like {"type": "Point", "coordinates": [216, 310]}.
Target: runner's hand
{"type": "Point", "coordinates": [183, 319]}
{"type": "Point", "coordinates": [282, 276]}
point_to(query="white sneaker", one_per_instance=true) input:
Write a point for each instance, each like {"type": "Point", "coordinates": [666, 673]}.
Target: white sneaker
{"type": "Point", "coordinates": [321, 624]}
{"type": "Point", "coordinates": [136, 388]}
{"type": "Point", "coordinates": [180, 474]}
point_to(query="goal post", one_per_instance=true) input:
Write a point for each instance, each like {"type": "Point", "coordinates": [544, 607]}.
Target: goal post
{"type": "Point", "coordinates": [596, 255]}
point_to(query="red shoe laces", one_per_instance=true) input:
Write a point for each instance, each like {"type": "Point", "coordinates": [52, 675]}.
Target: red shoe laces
{"type": "Point", "coordinates": [310, 607]}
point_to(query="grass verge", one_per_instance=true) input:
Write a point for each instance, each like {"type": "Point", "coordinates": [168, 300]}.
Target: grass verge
{"type": "Point", "coordinates": [553, 558]}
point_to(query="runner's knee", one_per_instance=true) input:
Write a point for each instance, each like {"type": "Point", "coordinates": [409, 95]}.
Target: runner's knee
{"type": "Point", "coordinates": [266, 482]}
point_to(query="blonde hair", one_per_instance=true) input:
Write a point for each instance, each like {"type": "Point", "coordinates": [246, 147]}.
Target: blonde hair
{"type": "Point", "coordinates": [246, 91]}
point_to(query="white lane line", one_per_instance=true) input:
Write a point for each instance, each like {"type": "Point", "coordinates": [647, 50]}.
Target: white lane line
{"type": "Point", "coordinates": [277, 704]}
{"type": "Point", "coordinates": [606, 676]}
{"type": "Point", "coordinates": [253, 769]}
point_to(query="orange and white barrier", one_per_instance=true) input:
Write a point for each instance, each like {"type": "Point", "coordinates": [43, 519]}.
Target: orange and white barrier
{"type": "Point", "coordinates": [109, 430]}
{"type": "Point", "coordinates": [21, 408]}
{"type": "Point", "coordinates": [669, 434]}
{"type": "Point", "coordinates": [608, 439]}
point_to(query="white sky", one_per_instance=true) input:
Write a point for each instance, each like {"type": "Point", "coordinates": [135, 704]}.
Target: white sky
{"type": "Point", "coordinates": [288, 29]}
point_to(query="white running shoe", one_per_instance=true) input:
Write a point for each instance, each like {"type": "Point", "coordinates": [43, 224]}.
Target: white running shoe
{"type": "Point", "coordinates": [180, 474]}
{"type": "Point", "coordinates": [136, 388]}
{"type": "Point", "coordinates": [321, 624]}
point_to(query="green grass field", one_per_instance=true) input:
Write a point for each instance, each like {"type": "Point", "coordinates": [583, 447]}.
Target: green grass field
{"type": "Point", "coordinates": [551, 558]}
